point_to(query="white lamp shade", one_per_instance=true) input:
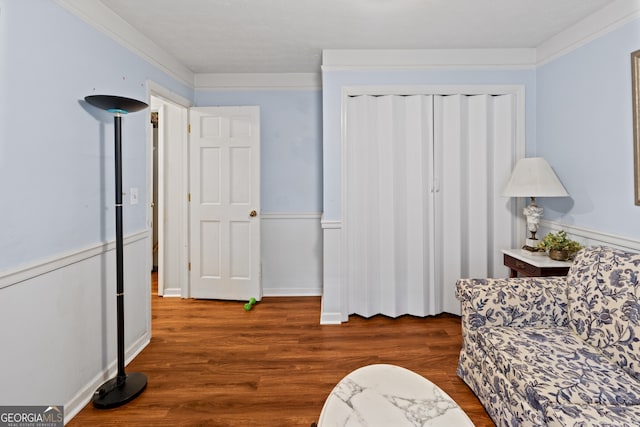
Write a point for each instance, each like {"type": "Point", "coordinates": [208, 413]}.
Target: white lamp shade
{"type": "Point", "coordinates": [533, 177]}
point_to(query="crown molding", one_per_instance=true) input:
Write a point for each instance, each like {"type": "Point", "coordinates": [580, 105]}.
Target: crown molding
{"type": "Point", "coordinates": [257, 81]}
{"type": "Point", "coordinates": [96, 14]}
{"type": "Point", "coordinates": [607, 19]}
{"type": "Point", "coordinates": [592, 27]}
{"type": "Point", "coordinates": [346, 59]}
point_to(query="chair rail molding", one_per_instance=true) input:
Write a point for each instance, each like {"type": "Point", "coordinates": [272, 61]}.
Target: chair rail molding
{"type": "Point", "coordinates": [21, 274]}
{"type": "Point", "coordinates": [587, 237]}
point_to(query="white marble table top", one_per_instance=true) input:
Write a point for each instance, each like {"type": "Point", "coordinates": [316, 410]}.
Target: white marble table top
{"type": "Point", "coordinates": [389, 396]}
{"type": "Point", "coordinates": [538, 259]}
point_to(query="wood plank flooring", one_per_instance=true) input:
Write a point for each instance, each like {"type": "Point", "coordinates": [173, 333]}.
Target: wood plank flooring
{"type": "Point", "coordinates": [210, 363]}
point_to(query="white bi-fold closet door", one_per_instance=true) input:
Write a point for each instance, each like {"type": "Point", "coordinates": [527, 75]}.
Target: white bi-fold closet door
{"type": "Point", "coordinates": [421, 198]}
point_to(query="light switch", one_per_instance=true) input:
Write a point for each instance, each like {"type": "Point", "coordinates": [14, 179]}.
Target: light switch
{"type": "Point", "coordinates": [133, 196]}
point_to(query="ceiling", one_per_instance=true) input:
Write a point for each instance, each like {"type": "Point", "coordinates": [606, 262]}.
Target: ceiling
{"type": "Point", "coordinates": [288, 36]}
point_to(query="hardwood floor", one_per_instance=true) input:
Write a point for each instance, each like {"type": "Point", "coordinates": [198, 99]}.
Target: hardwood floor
{"type": "Point", "coordinates": [210, 363]}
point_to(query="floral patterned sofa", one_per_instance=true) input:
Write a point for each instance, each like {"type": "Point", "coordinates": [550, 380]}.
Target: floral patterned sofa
{"type": "Point", "coordinates": [556, 351]}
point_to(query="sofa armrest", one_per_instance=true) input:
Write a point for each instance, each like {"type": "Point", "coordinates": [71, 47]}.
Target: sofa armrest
{"type": "Point", "coordinates": [514, 302]}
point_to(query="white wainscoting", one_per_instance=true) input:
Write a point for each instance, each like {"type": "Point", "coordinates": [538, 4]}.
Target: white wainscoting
{"type": "Point", "coordinates": [291, 254]}
{"type": "Point", "coordinates": [58, 323]}
{"type": "Point", "coordinates": [334, 297]}
{"type": "Point", "coordinates": [588, 237]}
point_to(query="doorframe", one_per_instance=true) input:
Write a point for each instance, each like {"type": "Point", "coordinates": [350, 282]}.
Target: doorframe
{"type": "Point", "coordinates": [166, 96]}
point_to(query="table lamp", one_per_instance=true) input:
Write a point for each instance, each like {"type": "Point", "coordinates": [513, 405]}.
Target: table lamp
{"type": "Point", "coordinates": [533, 177]}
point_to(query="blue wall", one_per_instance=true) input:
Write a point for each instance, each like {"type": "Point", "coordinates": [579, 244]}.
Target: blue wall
{"type": "Point", "coordinates": [334, 81]}
{"type": "Point", "coordinates": [585, 131]}
{"type": "Point", "coordinates": [291, 145]}
{"type": "Point", "coordinates": [56, 153]}
{"type": "Point", "coordinates": [57, 189]}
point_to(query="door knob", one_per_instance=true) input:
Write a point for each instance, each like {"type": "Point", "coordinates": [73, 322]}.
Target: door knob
{"type": "Point", "coordinates": [253, 213]}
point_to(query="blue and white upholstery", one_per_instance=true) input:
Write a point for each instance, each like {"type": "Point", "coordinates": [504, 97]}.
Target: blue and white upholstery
{"type": "Point", "coordinates": [556, 351]}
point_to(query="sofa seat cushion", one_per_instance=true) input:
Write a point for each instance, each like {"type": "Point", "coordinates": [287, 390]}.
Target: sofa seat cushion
{"type": "Point", "coordinates": [592, 416]}
{"type": "Point", "coordinates": [554, 366]}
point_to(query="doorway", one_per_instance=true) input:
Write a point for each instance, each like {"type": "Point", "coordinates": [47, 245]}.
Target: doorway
{"type": "Point", "coordinates": [167, 189]}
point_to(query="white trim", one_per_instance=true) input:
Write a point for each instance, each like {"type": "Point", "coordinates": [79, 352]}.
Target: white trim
{"type": "Point", "coordinates": [257, 81]}
{"type": "Point", "coordinates": [443, 89]}
{"type": "Point", "coordinates": [172, 293]}
{"type": "Point", "coordinates": [10, 278]}
{"type": "Point", "coordinates": [330, 318]}
{"type": "Point", "coordinates": [331, 224]}
{"type": "Point", "coordinates": [159, 91]}
{"type": "Point", "coordinates": [99, 16]}
{"type": "Point", "coordinates": [346, 59]}
{"type": "Point", "coordinates": [588, 237]}
{"type": "Point", "coordinates": [334, 305]}
{"type": "Point", "coordinates": [167, 96]}
{"type": "Point", "coordinates": [84, 395]}
{"type": "Point", "coordinates": [601, 22]}
{"type": "Point", "coordinates": [285, 291]}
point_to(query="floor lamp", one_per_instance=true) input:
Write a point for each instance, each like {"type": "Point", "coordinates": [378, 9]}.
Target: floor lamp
{"type": "Point", "coordinates": [124, 387]}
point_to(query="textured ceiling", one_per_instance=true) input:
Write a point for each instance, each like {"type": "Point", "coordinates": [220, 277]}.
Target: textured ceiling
{"type": "Point", "coordinates": [287, 36]}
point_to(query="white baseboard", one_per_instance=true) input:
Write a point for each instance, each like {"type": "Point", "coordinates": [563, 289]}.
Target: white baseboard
{"type": "Point", "coordinates": [313, 290]}
{"type": "Point", "coordinates": [330, 318]}
{"type": "Point", "coordinates": [83, 397]}
{"type": "Point", "coordinates": [172, 293]}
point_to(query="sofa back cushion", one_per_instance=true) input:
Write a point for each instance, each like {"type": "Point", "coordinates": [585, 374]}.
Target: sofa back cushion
{"type": "Point", "coordinates": [604, 303]}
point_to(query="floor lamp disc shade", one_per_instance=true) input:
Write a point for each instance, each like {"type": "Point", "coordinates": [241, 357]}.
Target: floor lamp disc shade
{"type": "Point", "coordinates": [124, 387]}
{"type": "Point", "coordinates": [116, 104]}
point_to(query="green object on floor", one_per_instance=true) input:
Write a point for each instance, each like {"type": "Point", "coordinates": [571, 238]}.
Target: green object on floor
{"type": "Point", "coordinates": [248, 306]}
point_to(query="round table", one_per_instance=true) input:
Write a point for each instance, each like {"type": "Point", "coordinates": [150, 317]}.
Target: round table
{"type": "Point", "coordinates": [388, 395]}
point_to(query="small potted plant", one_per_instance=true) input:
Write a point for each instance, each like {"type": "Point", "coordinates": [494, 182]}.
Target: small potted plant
{"type": "Point", "coordinates": [559, 246]}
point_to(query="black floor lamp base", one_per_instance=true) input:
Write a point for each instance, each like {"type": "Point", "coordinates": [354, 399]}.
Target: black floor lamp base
{"type": "Point", "coordinates": [110, 395]}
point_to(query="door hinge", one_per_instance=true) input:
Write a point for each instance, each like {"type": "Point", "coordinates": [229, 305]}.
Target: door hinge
{"type": "Point", "coordinates": [188, 197]}
{"type": "Point", "coordinates": [189, 128]}
{"type": "Point", "coordinates": [189, 265]}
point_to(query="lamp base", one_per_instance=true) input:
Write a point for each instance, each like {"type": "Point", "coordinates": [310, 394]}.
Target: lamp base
{"type": "Point", "coordinates": [531, 245]}
{"type": "Point", "coordinates": [112, 395]}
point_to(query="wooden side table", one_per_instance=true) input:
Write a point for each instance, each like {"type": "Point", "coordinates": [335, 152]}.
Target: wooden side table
{"type": "Point", "coordinates": [532, 264]}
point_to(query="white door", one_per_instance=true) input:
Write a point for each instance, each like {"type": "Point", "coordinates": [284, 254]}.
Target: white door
{"type": "Point", "coordinates": [423, 176]}
{"type": "Point", "coordinates": [225, 203]}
